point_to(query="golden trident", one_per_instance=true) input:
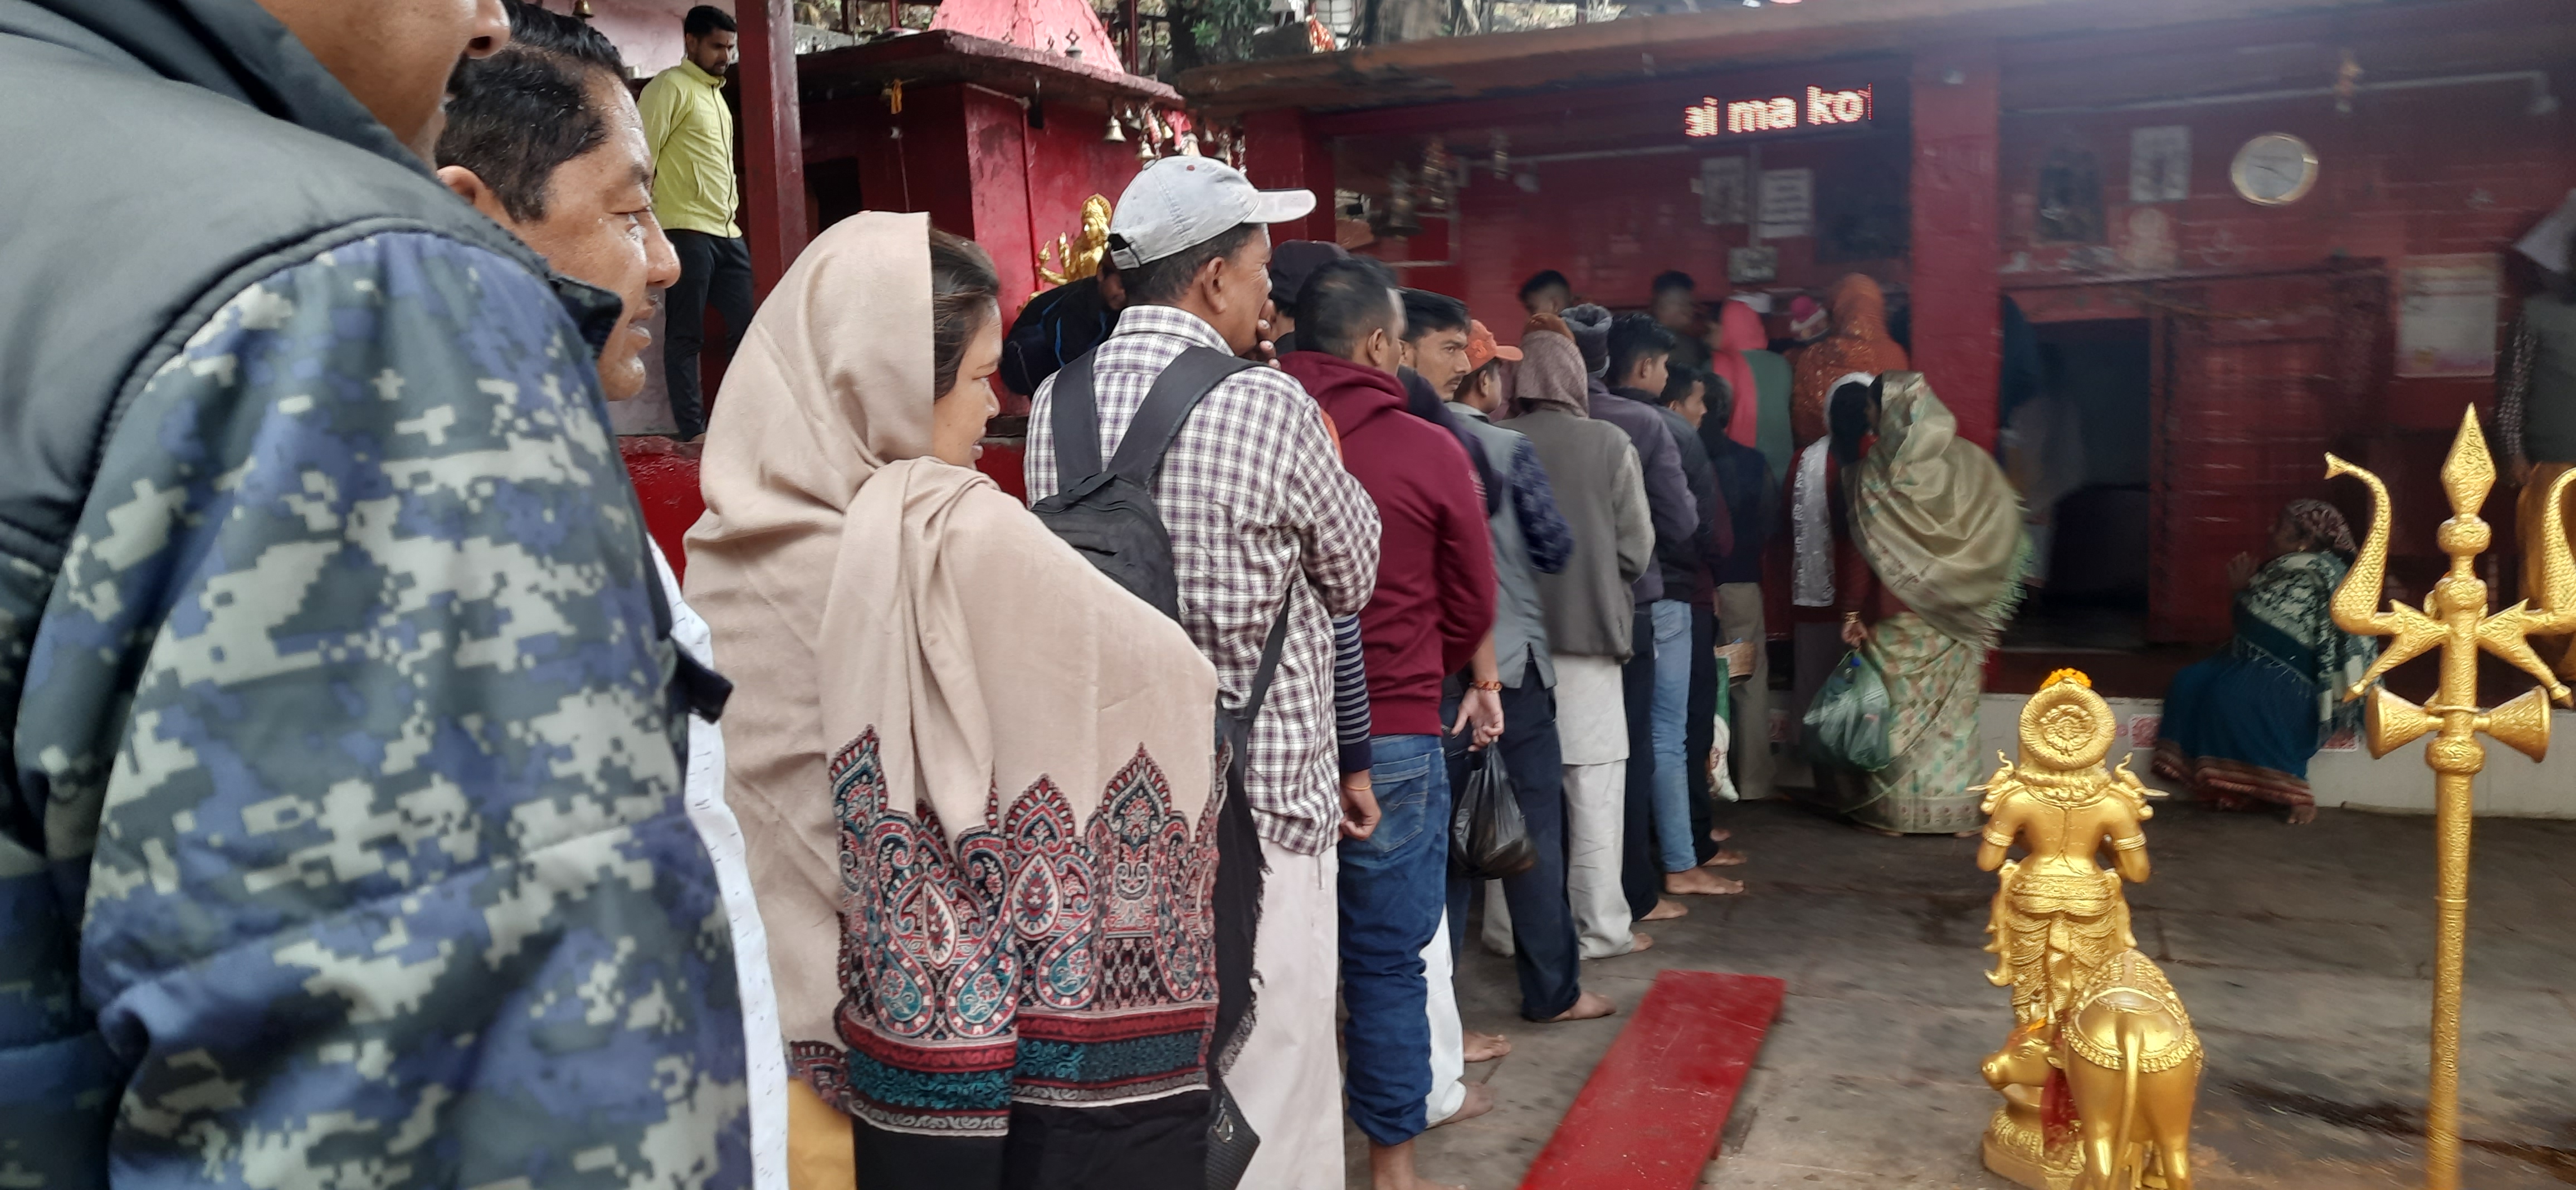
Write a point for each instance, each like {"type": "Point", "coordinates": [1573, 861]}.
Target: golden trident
{"type": "Point", "coordinates": [2455, 617]}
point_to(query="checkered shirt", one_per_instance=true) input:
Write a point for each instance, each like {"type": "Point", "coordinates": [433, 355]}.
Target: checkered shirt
{"type": "Point", "coordinates": [1255, 496]}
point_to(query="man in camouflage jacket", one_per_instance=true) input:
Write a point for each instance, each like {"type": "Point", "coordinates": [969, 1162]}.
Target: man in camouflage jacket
{"type": "Point", "coordinates": [341, 839]}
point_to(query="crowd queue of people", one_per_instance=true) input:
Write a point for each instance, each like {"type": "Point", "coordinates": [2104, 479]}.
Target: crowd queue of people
{"type": "Point", "coordinates": [369, 816]}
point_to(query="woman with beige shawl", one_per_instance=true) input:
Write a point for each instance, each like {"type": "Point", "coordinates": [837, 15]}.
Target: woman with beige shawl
{"type": "Point", "coordinates": [975, 774]}
{"type": "Point", "coordinates": [1933, 561]}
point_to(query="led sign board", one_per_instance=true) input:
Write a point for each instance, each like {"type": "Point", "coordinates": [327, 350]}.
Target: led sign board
{"type": "Point", "coordinates": [1780, 113]}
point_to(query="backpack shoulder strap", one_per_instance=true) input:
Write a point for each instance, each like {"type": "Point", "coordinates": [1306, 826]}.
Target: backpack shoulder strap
{"type": "Point", "coordinates": [1269, 667]}
{"type": "Point", "coordinates": [1190, 376]}
{"type": "Point", "coordinates": [1075, 418]}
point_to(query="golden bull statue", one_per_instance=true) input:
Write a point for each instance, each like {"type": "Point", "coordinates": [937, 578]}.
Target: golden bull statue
{"type": "Point", "coordinates": [2099, 1074]}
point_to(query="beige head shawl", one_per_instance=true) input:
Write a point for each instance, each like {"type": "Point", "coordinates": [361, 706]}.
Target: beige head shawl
{"type": "Point", "coordinates": [857, 586]}
{"type": "Point", "coordinates": [1551, 374]}
{"type": "Point", "coordinates": [1936, 518]}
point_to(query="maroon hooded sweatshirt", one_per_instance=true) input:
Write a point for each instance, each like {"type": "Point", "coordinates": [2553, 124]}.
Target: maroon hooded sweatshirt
{"type": "Point", "coordinates": [1435, 571]}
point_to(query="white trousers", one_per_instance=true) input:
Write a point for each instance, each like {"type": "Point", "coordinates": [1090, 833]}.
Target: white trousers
{"type": "Point", "coordinates": [1448, 1036]}
{"type": "Point", "coordinates": [1288, 1078]}
{"type": "Point", "coordinates": [1596, 828]}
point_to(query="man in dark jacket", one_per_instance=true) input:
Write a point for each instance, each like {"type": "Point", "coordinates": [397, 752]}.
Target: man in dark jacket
{"type": "Point", "coordinates": [1749, 494]}
{"type": "Point", "coordinates": [1676, 516]}
{"type": "Point", "coordinates": [1058, 326]}
{"type": "Point", "coordinates": [1640, 356]}
{"type": "Point", "coordinates": [1433, 606]}
{"type": "Point", "coordinates": [340, 812]}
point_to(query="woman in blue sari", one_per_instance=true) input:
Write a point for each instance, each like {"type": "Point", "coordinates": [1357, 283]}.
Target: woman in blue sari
{"type": "Point", "coordinates": [2240, 728]}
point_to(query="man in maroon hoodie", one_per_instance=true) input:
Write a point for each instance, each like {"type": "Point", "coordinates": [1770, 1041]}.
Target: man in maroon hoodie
{"type": "Point", "coordinates": [1433, 605]}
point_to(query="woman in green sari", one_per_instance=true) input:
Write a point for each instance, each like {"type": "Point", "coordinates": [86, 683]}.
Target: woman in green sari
{"type": "Point", "coordinates": [1932, 563]}
{"type": "Point", "coordinates": [2240, 728]}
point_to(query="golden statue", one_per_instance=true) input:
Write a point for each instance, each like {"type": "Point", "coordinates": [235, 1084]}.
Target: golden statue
{"type": "Point", "coordinates": [2099, 1074]}
{"type": "Point", "coordinates": [1079, 256]}
{"type": "Point", "coordinates": [2455, 617]}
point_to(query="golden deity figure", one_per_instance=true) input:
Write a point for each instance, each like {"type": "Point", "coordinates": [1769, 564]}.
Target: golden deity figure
{"type": "Point", "coordinates": [2455, 619]}
{"type": "Point", "coordinates": [2058, 917]}
{"type": "Point", "coordinates": [1079, 256]}
{"type": "Point", "coordinates": [2100, 1071]}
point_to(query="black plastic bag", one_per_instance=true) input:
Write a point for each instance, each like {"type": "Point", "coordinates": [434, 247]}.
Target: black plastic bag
{"type": "Point", "coordinates": [1488, 838]}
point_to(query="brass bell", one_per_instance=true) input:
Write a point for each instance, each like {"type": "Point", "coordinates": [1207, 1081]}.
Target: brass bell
{"type": "Point", "coordinates": [1116, 134]}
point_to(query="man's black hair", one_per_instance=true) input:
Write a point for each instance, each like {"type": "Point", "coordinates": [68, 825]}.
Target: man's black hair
{"type": "Point", "coordinates": [1673, 279]}
{"type": "Point", "coordinates": [1634, 337]}
{"type": "Point", "coordinates": [1720, 394]}
{"type": "Point", "coordinates": [1162, 282]}
{"type": "Point", "coordinates": [1425, 312]}
{"type": "Point", "coordinates": [516, 117]}
{"type": "Point", "coordinates": [533, 28]}
{"type": "Point", "coordinates": [1546, 279]}
{"type": "Point", "coordinates": [1678, 382]}
{"type": "Point", "coordinates": [705, 19]}
{"type": "Point", "coordinates": [1343, 301]}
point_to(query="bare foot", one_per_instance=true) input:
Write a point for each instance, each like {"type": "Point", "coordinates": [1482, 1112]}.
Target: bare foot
{"type": "Point", "coordinates": [1719, 834]}
{"type": "Point", "coordinates": [1700, 882]}
{"type": "Point", "coordinates": [1639, 943]}
{"type": "Point", "coordinates": [1590, 1006]}
{"type": "Point", "coordinates": [1666, 911]}
{"type": "Point", "coordinates": [1391, 1166]}
{"type": "Point", "coordinates": [1486, 1047]}
{"type": "Point", "coordinates": [1480, 1099]}
{"type": "Point", "coordinates": [1724, 859]}
{"type": "Point", "coordinates": [2302, 815]}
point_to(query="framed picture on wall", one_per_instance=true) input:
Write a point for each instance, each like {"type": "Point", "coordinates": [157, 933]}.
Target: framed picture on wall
{"type": "Point", "coordinates": [1748, 266]}
{"type": "Point", "coordinates": [1722, 191]}
{"type": "Point", "coordinates": [2446, 314]}
{"type": "Point", "coordinates": [2160, 163]}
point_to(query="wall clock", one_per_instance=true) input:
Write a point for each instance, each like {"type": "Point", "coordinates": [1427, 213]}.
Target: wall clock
{"type": "Point", "coordinates": [2274, 169]}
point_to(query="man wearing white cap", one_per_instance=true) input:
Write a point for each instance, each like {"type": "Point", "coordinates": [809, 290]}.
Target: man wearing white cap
{"type": "Point", "coordinates": [1262, 516]}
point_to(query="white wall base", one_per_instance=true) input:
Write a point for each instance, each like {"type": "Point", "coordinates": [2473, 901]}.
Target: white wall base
{"type": "Point", "coordinates": [2511, 786]}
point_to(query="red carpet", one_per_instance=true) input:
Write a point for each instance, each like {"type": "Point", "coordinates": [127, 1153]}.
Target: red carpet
{"type": "Point", "coordinates": [1649, 1117]}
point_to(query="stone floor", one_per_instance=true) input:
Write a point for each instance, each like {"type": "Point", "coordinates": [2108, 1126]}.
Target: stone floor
{"type": "Point", "coordinates": [2304, 955]}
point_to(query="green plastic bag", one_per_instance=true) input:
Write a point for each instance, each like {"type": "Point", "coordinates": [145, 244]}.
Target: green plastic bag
{"type": "Point", "coordinates": [1847, 724]}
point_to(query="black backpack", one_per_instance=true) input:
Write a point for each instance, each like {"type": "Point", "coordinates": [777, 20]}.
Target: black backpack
{"type": "Point", "coordinates": [1108, 515]}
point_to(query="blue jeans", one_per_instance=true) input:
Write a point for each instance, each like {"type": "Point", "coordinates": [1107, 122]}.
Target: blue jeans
{"type": "Point", "coordinates": [1672, 735]}
{"type": "Point", "coordinates": [1394, 885]}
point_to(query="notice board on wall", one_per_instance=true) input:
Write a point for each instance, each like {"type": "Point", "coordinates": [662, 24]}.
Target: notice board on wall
{"type": "Point", "coordinates": [2446, 314]}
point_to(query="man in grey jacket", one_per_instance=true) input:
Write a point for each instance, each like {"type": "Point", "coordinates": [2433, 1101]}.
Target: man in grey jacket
{"type": "Point", "coordinates": [1590, 619]}
{"type": "Point", "coordinates": [1676, 515]}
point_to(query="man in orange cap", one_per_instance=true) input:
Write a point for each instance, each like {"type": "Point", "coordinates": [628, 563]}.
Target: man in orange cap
{"type": "Point", "coordinates": [1530, 538]}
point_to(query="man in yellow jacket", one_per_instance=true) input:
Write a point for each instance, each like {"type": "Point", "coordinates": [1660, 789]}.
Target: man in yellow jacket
{"type": "Point", "coordinates": [690, 133]}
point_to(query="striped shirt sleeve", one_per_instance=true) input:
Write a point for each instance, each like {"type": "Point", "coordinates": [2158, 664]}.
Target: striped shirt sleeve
{"type": "Point", "coordinates": [1350, 696]}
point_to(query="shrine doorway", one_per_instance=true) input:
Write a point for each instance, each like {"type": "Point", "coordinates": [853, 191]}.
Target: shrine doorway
{"type": "Point", "coordinates": [2078, 452]}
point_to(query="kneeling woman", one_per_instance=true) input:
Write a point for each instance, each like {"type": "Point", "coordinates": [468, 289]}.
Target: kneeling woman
{"type": "Point", "coordinates": [974, 773]}
{"type": "Point", "coordinates": [2240, 728]}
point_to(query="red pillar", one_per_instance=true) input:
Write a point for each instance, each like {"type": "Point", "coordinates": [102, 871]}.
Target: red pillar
{"type": "Point", "coordinates": [1956, 298]}
{"type": "Point", "coordinates": [773, 144]}
{"type": "Point", "coordinates": [1280, 153]}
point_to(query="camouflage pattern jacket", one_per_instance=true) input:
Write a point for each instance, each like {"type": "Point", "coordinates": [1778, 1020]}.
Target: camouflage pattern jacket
{"type": "Point", "coordinates": [341, 831]}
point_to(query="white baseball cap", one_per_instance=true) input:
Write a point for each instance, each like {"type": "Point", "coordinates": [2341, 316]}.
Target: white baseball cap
{"type": "Point", "coordinates": [1181, 202]}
